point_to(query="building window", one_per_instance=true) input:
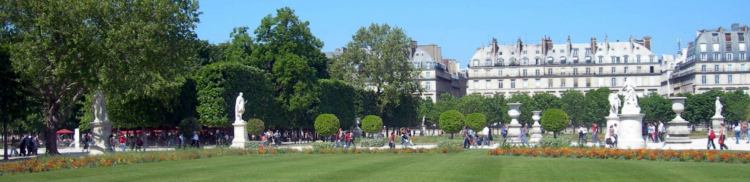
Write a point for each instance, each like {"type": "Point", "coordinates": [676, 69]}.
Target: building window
{"type": "Point", "coordinates": [588, 51]}
{"type": "Point", "coordinates": [716, 67]}
{"type": "Point", "coordinates": [743, 57]}
{"type": "Point", "coordinates": [500, 83]}
{"type": "Point", "coordinates": [704, 57]}
{"type": "Point", "coordinates": [562, 83]}
{"type": "Point", "coordinates": [716, 57]}
{"type": "Point", "coordinates": [728, 57]}
{"type": "Point", "coordinates": [638, 69]}
{"type": "Point", "coordinates": [625, 70]}
{"type": "Point", "coordinates": [427, 86]}
{"type": "Point", "coordinates": [715, 47]}
{"type": "Point", "coordinates": [575, 83]}
{"type": "Point", "coordinates": [427, 74]}
{"type": "Point", "coordinates": [716, 79]}
{"type": "Point", "coordinates": [588, 71]}
{"type": "Point", "coordinates": [575, 71]}
{"type": "Point", "coordinates": [625, 59]}
{"type": "Point", "coordinates": [524, 72]}
{"type": "Point", "coordinates": [741, 37]}
{"type": "Point", "coordinates": [703, 47]}
{"type": "Point", "coordinates": [703, 79]}
{"type": "Point", "coordinates": [525, 83]}
{"type": "Point", "coordinates": [728, 37]}
{"type": "Point", "coordinates": [500, 72]}
{"type": "Point", "coordinates": [536, 72]}
{"type": "Point", "coordinates": [513, 83]}
{"type": "Point", "coordinates": [638, 58]}
{"type": "Point", "coordinates": [651, 58]}
{"type": "Point", "coordinates": [563, 60]}
{"type": "Point", "coordinates": [613, 82]}
{"type": "Point", "coordinates": [613, 70]}
{"type": "Point", "coordinates": [615, 59]}
{"type": "Point", "coordinates": [537, 83]}
{"type": "Point", "coordinates": [728, 47]}
{"type": "Point", "coordinates": [703, 68]}
{"type": "Point", "coordinates": [742, 47]}
{"type": "Point", "coordinates": [549, 71]}
{"type": "Point", "coordinates": [729, 79]}
{"type": "Point", "coordinates": [601, 70]}
{"type": "Point", "coordinates": [601, 59]}
{"type": "Point", "coordinates": [549, 83]}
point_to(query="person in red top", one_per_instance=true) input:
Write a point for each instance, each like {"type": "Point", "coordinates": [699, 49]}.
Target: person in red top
{"type": "Point", "coordinates": [711, 136]}
{"type": "Point", "coordinates": [348, 139]}
{"type": "Point", "coordinates": [594, 134]}
{"type": "Point", "coordinates": [392, 140]}
{"type": "Point", "coordinates": [122, 142]}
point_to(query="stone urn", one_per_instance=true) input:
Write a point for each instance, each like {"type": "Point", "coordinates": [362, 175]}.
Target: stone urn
{"type": "Point", "coordinates": [677, 129]}
{"type": "Point", "coordinates": [536, 129]}
{"type": "Point", "coordinates": [514, 128]}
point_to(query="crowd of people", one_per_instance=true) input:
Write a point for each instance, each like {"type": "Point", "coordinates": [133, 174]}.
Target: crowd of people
{"type": "Point", "coordinates": [27, 145]}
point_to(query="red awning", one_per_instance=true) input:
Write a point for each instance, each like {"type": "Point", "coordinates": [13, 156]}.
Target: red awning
{"type": "Point", "coordinates": [64, 131]}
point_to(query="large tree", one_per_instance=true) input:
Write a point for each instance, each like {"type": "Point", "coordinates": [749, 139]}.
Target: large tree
{"type": "Point", "coordinates": [656, 108]}
{"type": "Point", "coordinates": [544, 101]}
{"type": "Point", "coordinates": [596, 106]}
{"type": "Point", "coordinates": [120, 47]}
{"type": "Point", "coordinates": [573, 105]}
{"type": "Point", "coordinates": [473, 103]}
{"type": "Point", "coordinates": [338, 98]}
{"type": "Point", "coordinates": [527, 105]}
{"type": "Point", "coordinates": [495, 108]}
{"type": "Point", "coordinates": [699, 108]}
{"type": "Point", "coordinates": [286, 48]}
{"type": "Point", "coordinates": [735, 105]}
{"type": "Point", "coordinates": [377, 58]}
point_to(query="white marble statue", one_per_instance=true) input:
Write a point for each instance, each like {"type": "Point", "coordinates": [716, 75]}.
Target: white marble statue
{"type": "Point", "coordinates": [718, 107]}
{"type": "Point", "coordinates": [631, 99]}
{"type": "Point", "coordinates": [614, 104]}
{"type": "Point", "coordinates": [239, 107]}
{"type": "Point", "coordinates": [100, 112]}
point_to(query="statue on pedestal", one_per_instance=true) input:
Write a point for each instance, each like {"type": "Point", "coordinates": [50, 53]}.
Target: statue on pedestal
{"type": "Point", "coordinates": [100, 111]}
{"type": "Point", "coordinates": [631, 99]}
{"type": "Point", "coordinates": [239, 108]}
{"type": "Point", "coordinates": [614, 104]}
{"type": "Point", "coordinates": [719, 107]}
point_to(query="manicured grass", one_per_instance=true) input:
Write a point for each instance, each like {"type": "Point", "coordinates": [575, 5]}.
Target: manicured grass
{"type": "Point", "coordinates": [466, 166]}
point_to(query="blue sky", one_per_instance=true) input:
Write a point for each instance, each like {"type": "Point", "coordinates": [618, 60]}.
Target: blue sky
{"type": "Point", "coordinates": [460, 27]}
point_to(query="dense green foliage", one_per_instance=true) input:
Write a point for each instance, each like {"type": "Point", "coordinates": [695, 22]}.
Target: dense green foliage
{"type": "Point", "coordinates": [218, 87]}
{"type": "Point", "coordinates": [476, 121]}
{"type": "Point", "coordinates": [554, 120]}
{"type": "Point", "coordinates": [375, 57]}
{"type": "Point", "coordinates": [124, 48]}
{"type": "Point", "coordinates": [656, 108]}
{"type": "Point", "coordinates": [255, 126]}
{"type": "Point", "coordinates": [326, 124]}
{"type": "Point", "coordinates": [527, 105]}
{"type": "Point", "coordinates": [451, 121]}
{"type": "Point", "coordinates": [596, 105]}
{"type": "Point", "coordinates": [573, 104]}
{"type": "Point", "coordinates": [543, 101]}
{"type": "Point", "coordinates": [372, 124]}
{"type": "Point", "coordinates": [338, 98]}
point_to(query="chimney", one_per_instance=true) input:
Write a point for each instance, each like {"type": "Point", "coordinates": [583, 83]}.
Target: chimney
{"type": "Point", "coordinates": [593, 46]}
{"type": "Point", "coordinates": [647, 42]}
{"type": "Point", "coordinates": [735, 26]}
{"type": "Point", "coordinates": [413, 47]}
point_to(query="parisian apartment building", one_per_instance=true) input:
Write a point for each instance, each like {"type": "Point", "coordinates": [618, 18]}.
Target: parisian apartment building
{"type": "Point", "coordinates": [716, 59]}
{"type": "Point", "coordinates": [549, 67]}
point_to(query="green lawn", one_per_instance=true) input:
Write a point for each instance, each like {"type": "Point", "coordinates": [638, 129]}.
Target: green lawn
{"type": "Point", "coordinates": [467, 166]}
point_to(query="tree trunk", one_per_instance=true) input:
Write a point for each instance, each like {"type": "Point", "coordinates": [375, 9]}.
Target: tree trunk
{"type": "Point", "coordinates": [50, 142]}
{"type": "Point", "coordinates": [451, 137]}
{"type": "Point", "coordinates": [5, 140]}
{"type": "Point", "coordinates": [554, 134]}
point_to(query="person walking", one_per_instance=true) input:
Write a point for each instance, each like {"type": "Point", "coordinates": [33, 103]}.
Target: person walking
{"type": "Point", "coordinates": [737, 130]}
{"type": "Point", "coordinates": [392, 140]}
{"type": "Point", "coordinates": [524, 131]}
{"type": "Point", "coordinates": [14, 142]}
{"type": "Point", "coordinates": [86, 141]}
{"type": "Point", "coordinates": [33, 145]}
{"type": "Point", "coordinates": [595, 134]}
{"type": "Point", "coordinates": [465, 134]}
{"type": "Point", "coordinates": [711, 136]}
{"type": "Point", "coordinates": [504, 133]}
{"type": "Point", "coordinates": [662, 131]}
{"type": "Point", "coordinates": [122, 142]}
{"type": "Point", "coordinates": [722, 138]}
{"type": "Point", "coordinates": [348, 139]}
{"type": "Point", "coordinates": [196, 140]}
{"type": "Point", "coordinates": [22, 145]}
{"type": "Point", "coordinates": [581, 136]}
{"type": "Point", "coordinates": [339, 137]}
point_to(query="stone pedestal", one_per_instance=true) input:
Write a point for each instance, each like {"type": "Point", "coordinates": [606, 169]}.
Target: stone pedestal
{"type": "Point", "coordinates": [536, 130]}
{"type": "Point", "coordinates": [240, 136]}
{"type": "Point", "coordinates": [101, 130]}
{"type": "Point", "coordinates": [612, 119]}
{"type": "Point", "coordinates": [629, 132]}
{"type": "Point", "coordinates": [514, 128]}
{"type": "Point", "coordinates": [716, 122]}
{"type": "Point", "coordinates": [677, 129]}
{"type": "Point", "coordinates": [77, 139]}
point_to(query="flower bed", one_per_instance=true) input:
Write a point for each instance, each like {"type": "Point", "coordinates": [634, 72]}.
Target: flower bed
{"type": "Point", "coordinates": [623, 154]}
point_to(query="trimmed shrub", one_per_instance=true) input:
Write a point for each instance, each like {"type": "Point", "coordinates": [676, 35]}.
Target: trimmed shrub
{"type": "Point", "coordinates": [372, 124]}
{"type": "Point", "coordinates": [451, 121]}
{"type": "Point", "coordinates": [255, 126]}
{"type": "Point", "coordinates": [326, 124]}
{"type": "Point", "coordinates": [369, 142]}
{"type": "Point", "coordinates": [554, 120]}
{"type": "Point", "coordinates": [476, 121]}
{"type": "Point", "coordinates": [449, 146]}
{"type": "Point", "coordinates": [554, 142]}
